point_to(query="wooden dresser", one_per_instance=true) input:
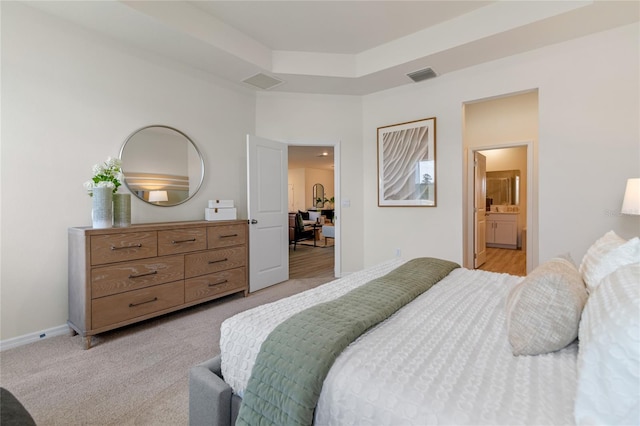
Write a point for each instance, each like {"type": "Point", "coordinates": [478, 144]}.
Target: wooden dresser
{"type": "Point", "coordinates": [120, 276]}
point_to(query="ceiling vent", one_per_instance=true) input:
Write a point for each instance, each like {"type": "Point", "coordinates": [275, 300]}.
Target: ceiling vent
{"type": "Point", "coordinates": [423, 74]}
{"type": "Point", "coordinates": [263, 81]}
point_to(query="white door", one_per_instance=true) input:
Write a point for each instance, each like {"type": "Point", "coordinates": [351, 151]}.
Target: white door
{"type": "Point", "coordinates": [480, 209]}
{"type": "Point", "coordinates": [267, 198]}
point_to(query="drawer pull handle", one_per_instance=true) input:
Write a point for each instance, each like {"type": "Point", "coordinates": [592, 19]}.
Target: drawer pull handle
{"type": "Point", "coordinates": [143, 275]}
{"type": "Point", "coordinates": [228, 236]}
{"type": "Point", "coordinates": [218, 283]}
{"type": "Point", "coordinates": [133, 305]}
{"type": "Point", "coordinates": [218, 261]}
{"type": "Point", "coordinates": [183, 241]}
{"type": "Point", "coordinates": [126, 247]}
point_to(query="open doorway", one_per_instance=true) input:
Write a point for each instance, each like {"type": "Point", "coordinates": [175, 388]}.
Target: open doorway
{"type": "Point", "coordinates": [313, 181]}
{"type": "Point", "coordinates": [502, 191]}
{"type": "Point", "coordinates": [504, 129]}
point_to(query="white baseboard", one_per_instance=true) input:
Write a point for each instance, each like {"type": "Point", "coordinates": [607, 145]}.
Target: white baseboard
{"type": "Point", "coordinates": [33, 337]}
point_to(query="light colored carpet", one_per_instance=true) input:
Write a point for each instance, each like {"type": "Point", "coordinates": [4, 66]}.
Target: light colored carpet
{"type": "Point", "coordinates": [137, 375]}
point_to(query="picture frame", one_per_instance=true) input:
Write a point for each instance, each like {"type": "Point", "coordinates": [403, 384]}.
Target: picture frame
{"type": "Point", "coordinates": [407, 164]}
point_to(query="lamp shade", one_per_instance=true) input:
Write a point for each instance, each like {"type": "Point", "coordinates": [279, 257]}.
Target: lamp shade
{"type": "Point", "coordinates": [631, 203]}
{"type": "Point", "coordinates": [157, 196]}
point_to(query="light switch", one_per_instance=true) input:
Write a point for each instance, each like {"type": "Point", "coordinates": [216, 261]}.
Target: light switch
{"type": "Point", "coordinates": [346, 202]}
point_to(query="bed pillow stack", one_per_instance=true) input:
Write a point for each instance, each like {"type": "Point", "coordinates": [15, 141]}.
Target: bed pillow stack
{"type": "Point", "coordinates": [605, 256]}
{"type": "Point", "coordinates": [543, 311]}
{"type": "Point", "coordinates": [609, 352]}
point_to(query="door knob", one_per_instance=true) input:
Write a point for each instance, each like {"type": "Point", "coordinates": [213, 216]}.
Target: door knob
{"type": "Point", "coordinates": [253, 221]}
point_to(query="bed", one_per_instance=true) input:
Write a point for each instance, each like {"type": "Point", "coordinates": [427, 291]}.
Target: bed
{"type": "Point", "coordinates": [475, 348]}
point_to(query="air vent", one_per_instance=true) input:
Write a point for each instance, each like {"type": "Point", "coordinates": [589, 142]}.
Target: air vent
{"type": "Point", "coordinates": [263, 81]}
{"type": "Point", "coordinates": [423, 74]}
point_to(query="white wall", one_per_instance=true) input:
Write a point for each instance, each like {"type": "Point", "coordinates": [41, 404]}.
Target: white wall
{"type": "Point", "coordinates": [589, 144]}
{"type": "Point", "coordinates": [69, 99]}
{"type": "Point", "coordinates": [296, 177]}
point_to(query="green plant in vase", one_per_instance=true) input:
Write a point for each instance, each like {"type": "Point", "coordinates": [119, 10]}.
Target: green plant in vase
{"type": "Point", "coordinates": [107, 174]}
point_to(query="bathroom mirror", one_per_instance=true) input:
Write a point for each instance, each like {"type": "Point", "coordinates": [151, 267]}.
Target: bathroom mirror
{"type": "Point", "coordinates": [503, 187]}
{"type": "Point", "coordinates": [318, 195]}
{"type": "Point", "coordinates": [161, 165]}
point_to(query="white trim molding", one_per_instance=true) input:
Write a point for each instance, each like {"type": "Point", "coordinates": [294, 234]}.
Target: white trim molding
{"type": "Point", "coordinates": [33, 337]}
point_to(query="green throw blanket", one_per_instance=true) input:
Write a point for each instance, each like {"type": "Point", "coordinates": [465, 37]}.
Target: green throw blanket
{"type": "Point", "coordinates": [294, 360]}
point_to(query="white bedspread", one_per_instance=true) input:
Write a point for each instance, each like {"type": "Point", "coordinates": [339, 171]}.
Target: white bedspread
{"type": "Point", "coordinates": [442, 359]}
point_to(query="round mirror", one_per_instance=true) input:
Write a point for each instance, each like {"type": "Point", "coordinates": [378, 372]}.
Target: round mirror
{"type": "Point", "coordinates": [161, 165]}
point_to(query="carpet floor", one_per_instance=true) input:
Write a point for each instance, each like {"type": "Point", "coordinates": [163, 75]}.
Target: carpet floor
{"type": "Point", "coordinates": [137, 375]}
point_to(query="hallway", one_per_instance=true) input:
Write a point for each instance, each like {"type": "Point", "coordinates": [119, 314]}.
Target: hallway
{"type": "Point", "coordinates": [309, 262]}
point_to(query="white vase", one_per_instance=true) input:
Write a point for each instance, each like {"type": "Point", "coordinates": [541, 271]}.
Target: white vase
{"type": "Point", "coordinates": [102, 212]}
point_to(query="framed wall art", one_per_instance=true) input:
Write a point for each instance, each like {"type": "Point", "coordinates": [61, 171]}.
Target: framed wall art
{"type": "Point", "coordinates": [407, 164]}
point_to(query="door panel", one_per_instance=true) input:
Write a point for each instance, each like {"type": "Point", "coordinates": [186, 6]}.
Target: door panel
{"type": "Point", "coordinates": [480, 209]}
{"type": "Point", "coordinates": [267, 195]}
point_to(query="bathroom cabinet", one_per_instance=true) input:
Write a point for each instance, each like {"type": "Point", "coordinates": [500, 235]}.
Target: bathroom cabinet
{"type": "Point", "coordinates": [502, 230]}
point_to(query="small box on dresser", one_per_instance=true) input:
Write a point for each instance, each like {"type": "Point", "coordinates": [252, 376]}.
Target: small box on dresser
{"type": "Point", "coordinates": [220, 214]}
{"type": "Point", "coordinates": [220, 210]}
{"type": "Point", "coordinates": [120, 276]}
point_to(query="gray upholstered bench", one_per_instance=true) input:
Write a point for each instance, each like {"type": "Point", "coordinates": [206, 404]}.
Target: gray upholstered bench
{"type": "Point", "coordinates": [12, 412]}
{"type": "Point", "coordinates": [211, 400]}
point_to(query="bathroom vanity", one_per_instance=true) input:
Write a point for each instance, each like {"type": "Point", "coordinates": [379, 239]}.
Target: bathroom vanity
{"type": "Point", "coordinates": [502, 230]}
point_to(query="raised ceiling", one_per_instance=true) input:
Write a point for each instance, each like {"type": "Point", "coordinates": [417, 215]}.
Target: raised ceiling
{"type": "Point", "coordinates": [339, 47]}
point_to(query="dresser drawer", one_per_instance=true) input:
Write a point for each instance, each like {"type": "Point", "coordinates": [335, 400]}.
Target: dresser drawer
{"type": "Point", "coordinates": [125, 306]}
{"type": "Point", "coordinates": [112, 248]}
{"type": "Point", "coordinates": [112, 279]}
{"type": "Point", "coordinates": [214, 260]}
{"type": "Point", "coordinates": [226, 235]}
{"type": "Point", "coordinates": [181, 241]}
{"type": "Point", "coordinates": [213, 284]}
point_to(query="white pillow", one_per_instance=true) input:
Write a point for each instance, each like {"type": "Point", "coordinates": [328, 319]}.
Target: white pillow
{"type": "Point", "coordinates": [314, 216]}
{"type": "Point", "coordinates": [543, 311]}
{"type": "Point", "coordinates": [605, 256]}
{"type": "Point", "coordinates": [608, 391]}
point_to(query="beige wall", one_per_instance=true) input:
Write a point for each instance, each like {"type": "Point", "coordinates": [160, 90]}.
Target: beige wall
{"type": "Point", "coordinates": [296, 177]}
{"type": "Point", "coordinates": [323, 177]}
{"type": "Point", "coordinates": [578, 156]}
{"type": "Point", "coordinates": [303, 181]}
{"type": "Point", "coordinates": [70, 99]}
{"type": "Point", "coordinates": [570, 141]}
{"type": "Point", "coordinates": [504, 120]}
{"type": "Point", "coordinates": [321, 120]}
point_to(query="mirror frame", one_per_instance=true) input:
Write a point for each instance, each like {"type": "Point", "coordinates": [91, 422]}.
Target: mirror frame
{"type": "Point", "coordinates": [193, 145]}
{"type": "Point", "coordinates": [318, 187]}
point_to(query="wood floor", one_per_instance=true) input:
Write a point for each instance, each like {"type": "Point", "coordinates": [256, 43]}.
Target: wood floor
{"type": "Point", "coordinates": [307, 261]}
{"type": "Point", "coordinates": [512, 262]}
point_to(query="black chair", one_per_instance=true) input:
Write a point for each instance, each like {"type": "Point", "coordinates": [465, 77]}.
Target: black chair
{"type": "Point", "coordinates": [298, 231]}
